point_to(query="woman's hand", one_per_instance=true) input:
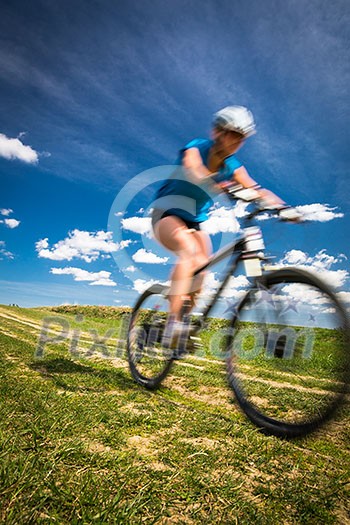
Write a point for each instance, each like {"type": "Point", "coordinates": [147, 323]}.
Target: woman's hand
{"type": "Point", "coordinates": [225, 184]}
{"type": "Point", "coordinates": [270, 200]}
{"type": "Point", "coordinates": [241, 176]}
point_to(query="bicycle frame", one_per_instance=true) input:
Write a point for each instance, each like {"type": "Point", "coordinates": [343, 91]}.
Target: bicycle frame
{"type": "Point", "coordinates": [235, 249]}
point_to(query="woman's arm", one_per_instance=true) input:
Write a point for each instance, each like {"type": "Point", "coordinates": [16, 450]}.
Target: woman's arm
{"type": "Point", "coordinates": [241, 176]}
{"type": "Point", "coordinates": [197, 172]}
{"type": "Point", "coordinates": [192, 162]}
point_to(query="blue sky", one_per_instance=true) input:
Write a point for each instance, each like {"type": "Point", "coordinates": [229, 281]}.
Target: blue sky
{"type": "Point", "coordinates": [95, 93]}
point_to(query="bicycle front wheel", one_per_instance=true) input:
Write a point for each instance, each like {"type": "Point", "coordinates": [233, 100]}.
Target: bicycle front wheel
{"type": "Point", "coordinates": [149, 361]}
{"type": "Point", "coordinates": [288, 359]}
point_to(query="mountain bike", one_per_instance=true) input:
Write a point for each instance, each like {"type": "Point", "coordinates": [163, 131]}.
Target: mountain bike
{"type": "Point", "coordinates": [284, 340]}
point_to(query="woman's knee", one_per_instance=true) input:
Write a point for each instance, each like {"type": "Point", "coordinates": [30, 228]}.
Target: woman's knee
{"type": "Point", "coordinates": [188, 259]}
{"type": "Point", "coordinates": [201, 260]}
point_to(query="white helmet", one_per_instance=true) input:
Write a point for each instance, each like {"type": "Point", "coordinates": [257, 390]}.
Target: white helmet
{"type": "Point", "coordinates": [235, 118]}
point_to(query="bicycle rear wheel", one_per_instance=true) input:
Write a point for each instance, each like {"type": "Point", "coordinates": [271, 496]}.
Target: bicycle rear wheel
{"type": "Point", "coordinates": [288, 360]}
{"type": "Point", "coordinates": [149, 361]}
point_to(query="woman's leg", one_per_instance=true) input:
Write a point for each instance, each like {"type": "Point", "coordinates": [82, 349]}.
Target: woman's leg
{"type": "Point", "coordinates": [205, 247]}
{"type": "Point", "coordinates": [191, 249]}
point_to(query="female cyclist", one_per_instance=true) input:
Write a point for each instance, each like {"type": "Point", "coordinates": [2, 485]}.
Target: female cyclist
{"type": "Point", "coordinates": [183, 201]}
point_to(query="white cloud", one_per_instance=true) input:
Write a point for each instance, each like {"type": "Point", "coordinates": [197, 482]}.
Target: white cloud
{"type": "Point", "coordinates": [263, 217]}
{"type": "Point", "coordinates": [235, 288]}
{"type": "Point", "coordinates": [11, 223]}
{"type": "Point", "coordinates": [103, 282]}
{"type": "Point", "coordinates": [81, 245]}
{"type": "Point", "coordinates": [295, 257]}
{"type": "Point", "coordinates": [210, 283]}
{"type": "Point", "coordinates": [304, 294]}
{"type": "Point", "coordinates": [321, 260]}
{"type": "Point", "coordinates": [42, 244]}
{"type": "Point", "coordinates": [5, 254]}
{"type": "Point", "coordinates": [5, 211]}
{"type": "Point", "coordinates": [240, 209]}
{"type": "Point", "coordinates": [141, 225]}
{"type": "Point", "coordinates": [334, 278]}
{"type": "Point", "coordinates": [12, 149]}
{"type": "Point", "coordinates": [312, 212]}
{"type": "Point", "coordinates": [131, 269]}
{"type": "Point", "coordinates": [143, 256]}
{"type": "Point", "coordinates": [140, 285]}
{"type": "Point", "coordinates": [320, 264]}
{"type": "Point", "coordinates": [319, 212]}
{"type": "Point", "coordinates": [101, 278]}
{"type": "Point", "coordinates": [344, 297]}
{"type": "Point", "coordinates": [238, 282]}
{"type": "Point", "coordinates": [221, 220]}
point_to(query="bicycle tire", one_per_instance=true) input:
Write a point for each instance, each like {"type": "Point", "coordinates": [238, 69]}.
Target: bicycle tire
{"type": "Point", "coordinates": [325, 363]}
{"type": "Point", "coordinates": [148, 367]}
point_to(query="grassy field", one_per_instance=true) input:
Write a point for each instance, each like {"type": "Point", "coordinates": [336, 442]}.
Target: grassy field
{"type": "Point", "coordinates": [80, 442]}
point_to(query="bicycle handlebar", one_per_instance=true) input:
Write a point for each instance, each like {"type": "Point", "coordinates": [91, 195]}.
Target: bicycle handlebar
{"type": "Point", "coordinates": [238, 192]}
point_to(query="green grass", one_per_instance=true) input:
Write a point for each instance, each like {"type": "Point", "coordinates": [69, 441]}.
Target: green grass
{"type": "Point", "coordinates": [80, 442]}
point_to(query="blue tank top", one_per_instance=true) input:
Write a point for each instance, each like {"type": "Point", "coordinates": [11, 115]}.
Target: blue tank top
{"type": "Point", "coordinates": [185, 199]}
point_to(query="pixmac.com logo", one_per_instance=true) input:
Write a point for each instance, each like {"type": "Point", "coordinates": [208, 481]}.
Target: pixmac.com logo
{"type": "Point", "coordinates": [247, 343]}
{"type": "Point", "coordinates": [80, 343]}
{"type": "Point", "coordinates": [252, 342]}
